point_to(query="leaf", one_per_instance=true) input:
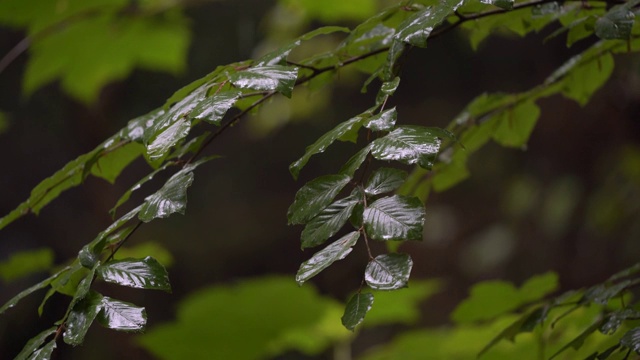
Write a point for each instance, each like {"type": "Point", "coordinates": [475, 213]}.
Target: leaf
{"type": "Point", "coordinates": [514, 126]}
{"type": "Point", "coordinates": [45, 352]}
{"type": "Point", "coordinates": [526, 323]}
{"type": "Point", "coordinates": [387, 89]}
{"type": "Point", "coordinates": [394, 218]}
{"type": "Point", "coordinates": [171, 198]}
{"type": "Point", "coordinates": [81, 317]}
{"type": "Point", "coordinates": [503, 4]}
{"type": "Point", "coordinates": [410, 145]}
{"type": "Point", "coordinates": [25, 263]}
{"type": "Point", "coordinates": [24, 293]}
{"type": "Point", "coordinates": [120, 315]}
{"type": "Point", "coordinates": [631, 339]}
{"type": "Point", "coordinates": [602, 293]}
{"type": "Point", "coordinates": [142, 274]}
{"type": "Point", "coordinates": [384, 180]}
{"type": "Point", "coordinates": [388, 271]}
{"type": "Point", "coordinates": [267, 78]}
{"type": "Point", "coordinates": [127, 194]}
{"type": "Point", "coordinates": [327, 256]}
{"type": "Point", "coordinates": [314, 196]}
{"type": "Point", "coordinates": [168, 138]}
{"type": "Point", "coordinates": [401, 306]}
{"type": "Point", "coordinates": [416, 29]}
{"type": "Point", "coordinates": [213, 108]}
{"type": "Point", "coordinates": [356, 310]}
{"type": "Point", "coordinates": [279, 56]}
{"type": "Point", "coordinates": [353, 164]}
{"type": "Point", "coordinates": [325, 141]}
{"type": "Point", "coordinates": [616, 23]}
{"type": "Point", "coordinates": [579, 341]}
{"type": "Point", "coordinates": [328, 222]}
{"type": "Point", "coordinates": [384, 121]}
{"type": "Point", "coordinates": [615, 319]}
{"type": "Point", "coordinates": [110, 164]}
{"type": "Point", "coordinates": [34, 343]}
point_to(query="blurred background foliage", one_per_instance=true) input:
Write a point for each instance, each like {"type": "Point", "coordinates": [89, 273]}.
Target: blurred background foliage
{"type": "Point", "coordinates": [76, 71]}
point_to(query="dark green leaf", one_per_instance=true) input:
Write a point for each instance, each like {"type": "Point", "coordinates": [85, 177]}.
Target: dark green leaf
{"type": "Point", "coordinates": [81, 317]}
{"type": "Point", "coordinates": [314, 196]}
{"type": "Point", "coordinates": [353, 164]}
{"type": "Point", "coordinates": [208, 79]}
{"type": "Point", "coordinates": [171, 198]}
{"type": "Point", "coordinates": [327, 256]}
{"type": "Point", "coordinates": [578, 341]}
{"type": "Point", "coordinates": [390, 67]}
{"type": "Point", "coordinates": [384, 121]}
{"type": "Point", "coordinates": [394, 218]}
{"type": "Point", "coordinates": [328, 222]}
{"type": "Point", "coordinates": [416, 29]}
{"type": "Point", "coordinates": [143, 274]}
{"type": "Point", "coordinates": [88, 257]}
{"type": "Point", "coordinates": [384, 180]}
{"type": "Point", "coordinates": [34, 343]}
{"type": "Point", "coordinates": [410, 145]}
{"type": "Point", "coordinates": [123, 199]}
{"type": "Point", "coordinates": [602, 293]}
{"type": "Point", "coordinates": [356, 310]}
{"type": "Point", "coordinates": [83, 288]}
{"type": "Point", "coordinates": [45, 352]}
{"type": "Point", "coordinates": [279, 57]}
{"type": "Point", "coordinates": [213, 108]}
{"type": "Point", "coordinates": [514, 125]}
{"type": "Point", "coordinates": [325, 141]}
{"type": "Point", "coordinates": [267, 78]}
{"type": "Point", "coordinates": [164, 140]}
{"type": "Point", "coordinates": [388, 88]}
{"type": "Point", "coordinates": [615, 319]}
{"type": "Point", "coordinates": [388, 271]}
{"type": "Point", "coordinates": [631, 339]}
{"type": "Point", "coordinates": [526, 323]}
{"type": "Point", "coordinates": [503, 4]}
{"type": "Point", "coordinates": [24, 293]}
{"type": "Point", "coordinates": [615, 24]}
{"type": "Point", "coordinates": [120, 315]}
{"type": "Point", "coordinates": [24, 263]}
{"type": "Point", "coordinates": [110, 164]}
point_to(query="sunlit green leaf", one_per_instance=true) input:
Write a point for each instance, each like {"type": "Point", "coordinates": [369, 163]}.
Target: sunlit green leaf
{"type": "Point", "coordinates": [384, 121]}
{"type": "Point", "coordinates": [119, 315]}
{"type": "Point", "coordinates": [81, 317]}
{"type": "Point", "coordinates": [356, 309]}
{"type": "Point", "coordinates": [417, 28]}
{"type": "Point", "coordinates": [328, 222]}
{"type": "Point", "coordinates": [384, 180]}
{"type": "Point", "coordinates": [143, 274]}
{"type": "Point", "coordinates": [267, 78]}
{"type": "Point", "coordinates": [34, 343]}
{"type": "Point", "coordinates": [24, 263]}
{"type": "Point", "coordinates": [314, 196]}
{"type": "Point", "coordinates": [171, 198]}
{"type": "Point", "coordinates": [526, 323]}
{"type": "Point", "coordinates": [447, 175]}
{"type": "Point", "coordinates": [213, 108]}
{"type": "Point", "coordinates": [401, 306]}
{"type": "Point", "coordinates": [579, 341]}
{"type": "Point", "coordinates": [504, 4]}
{"type": "Point", "coordinates": [394, 218]}
{"type": "Point", "coordinates": [615, 24]}
{"type": "Point", "coordinates": [327, 256]}
{"type": "Point", "coordinates": [388, 271]}
{"type": "Point", "coordinates": [110, 164]}
{"type": "Point", "coordinates": [514, 125]}
{"type": "Point", "coordinates": [410, 145]}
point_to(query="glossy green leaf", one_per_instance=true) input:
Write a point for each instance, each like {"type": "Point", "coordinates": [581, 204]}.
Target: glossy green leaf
{"type": "Point", "coordinates": [417, 28]}
{"type": "Point", "coordinates": [356, 309]}
{"type": "Point", "coordinates": [384, 121]}
{"type": "Point", "coordinates": [24, 293]}
{"type": "Point", "coordinates": [602, 293]}
{"type": "Point", "coordinates": [24, 263]}
{"type": "Point", "coordinates": [410, 145]}
{"type": "Point", "coordinates": [120, 315]}
{"type": "Point", "coordinates": [45, 352]}
{"type": "Point", "coordinates": [615, 319]}
{"type": "Point", "coordinates": [213, 108]}
{"type": "Point", "coordinates": [384, 180]}
{"type": "Point", "coordinates": [388, 271]}
{"type": "Point", "coordinates": [503, 4]}
{"type": "Point", "coordinates": [127, 194]}
{"type": "Point", "coordinates": [388, 88]}
{"type": "Point", "coordinates": [143, 274]}
{"type": "Point", "coordinates": [279, 56]}
{"type": "Point", "coordinates": [81, 317]}
{"type": "Point", "coordinates": [83, 288]}
{"type": "Point", "coordinates": [159, 147]}
{"type": "Point", "coordinates": [110, 164]}
{"type": "Point", "coordinates": [631, 339]}
{"type": "Point", "coordinates": [267, 78]}
{"type": "Point", "coordinates": [171, 198]}
{"type": "Point", "coordinates": [90, 255]}
{"type": "Point", "coordinates": [314, 196]}
{"type": "Point", "coordinates": [327, 256]}
{"type": "Point", "coordinates": [34, 343]}
{"type": "Point", "coordinates": [615, 24]}
{"type": "Point", "coordinates": [210, 78]}
{"type": "Point", "coordinates": [353, 164]}
{"type": "Point", "coordinates": [514, 125]}
{"type": "Point", "coordinates": [394, 218]}
{"type": "Point", "coordinates": [328, 222]}
{"type": "Point", "coordinates": [325, 141]}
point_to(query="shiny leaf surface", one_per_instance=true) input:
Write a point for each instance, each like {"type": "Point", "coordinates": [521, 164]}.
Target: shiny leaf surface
{"type": "Point", "coordinates": [384, 121]}
{"type": "Point", "coordinates": [394, 218]}
{"type": "Point", "coordinates": [279, 57]}
{"type": "Point", "coordinates": [388, 271]}
{"type": "Point", "coordinates": [81, 317]}
{"type": "Point", "coordinates": [615, 24]}
{"type": "Point", "coordinates": [631, 339]}
{"type": "Point", "coordinates": [384, 180]}
{"type": "Point", "coordinates": [410, 145]}
{"type": "Point", "coordinates": [45, 352]}
{"type": "Point", "coordinates": [213, 108]}
{"type": "Point", "coordinates": [356, 310]}
{"type": "Point", "coordinates": [127, 194]}
{"type": "Point", "coordinates": [314, 196]}
{"type": "Point", "coordinates": [417, 28]}
{"type": "Point", "coordinates": [143, 274]}
{"type": "Point", "coordinates": [327, 256]}
{"type": "Point", "coordinates": [34, 343]}
{"type": "Point", "coordinates": [267, 78]}
{"type": "Point", "coordinates": [328, 222]}
{"type": "Point", "coordinates": [503, 4]}
{"type": "Point", "coordinates": [353, 164]}
{"type": "Point", "coordinates": [159, 147]}
{"type": "Point", "coordinates": [171, 198]}
{"type": "Point", "coordinates": [615, 319]}
{"type": "Point", "coordinates": [120, 315]}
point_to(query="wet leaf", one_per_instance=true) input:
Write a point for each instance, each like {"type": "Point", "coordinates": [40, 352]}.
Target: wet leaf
{"type": "Point", "coordinates": [615, 319]}
{"type": "Point", "coordinates": [388, 271]}
{"type": "Point", "coordinates": [356, 309]}
{"type": "Point", "coordinates": [34, 343]}
{"type": "Point", "coordinates": [384, 121]}
{"type": "Point", "coordinates": [410, 145]}
{"type": "Point", "coordinates": [81, 317]}
{"type": "Point", "coordinates": [267, 78]}
{"type": "Point", "coordinates": [127, 194]}
{"type": "Point", "coordinates": [314, 196]}
{"type": "Point", "coordinates": [503, 4]}
{"type": "Point", "coordinates": [324, 142]}
{"type": "Point", "coordinates": [388, 88]}
{"type": "Point", "coordinates": [328, 222]}
{"type": "Point", "coordinates": [416, 29]}
{"type": "Point", "coordinates": [631, 339]}
{"type": "Point", "coordinates": [385, 180]}
{"type": "Point", "coordinates": [159, 147]}
{"type": "Point", "coordinates": [279, 57]}
{"type": "Point", "coordinates": [394, 218]}
{"type": "Point", "coordinates": [24, 293]}
{"type": "Point", "coordinates": [602, 293]}
{"type": "Point", "coordinates": [171, 198]}
{"type": "Point", "coordinates": [353, 164]}
{"type": "Point", "coordinates": [327, 256]}
{"type": "Point", "coordinates": [120, 315]}
{"type": "Point", "coordinates": [45, 352]}
{"type": "Point", "coordinates": [143, 274]}
{"type": "Point", "coordinates": [615, 24]}
{"type": "Point", "coordinates": [213, 108]}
